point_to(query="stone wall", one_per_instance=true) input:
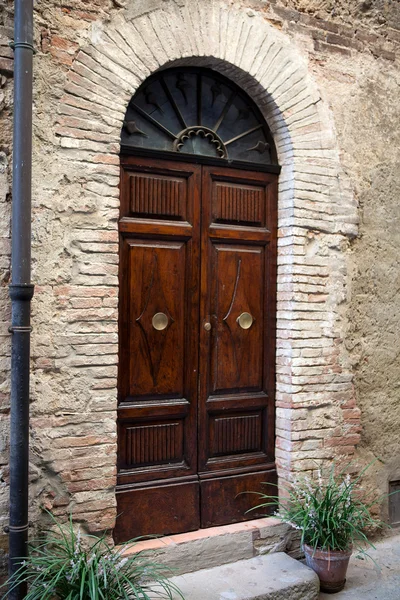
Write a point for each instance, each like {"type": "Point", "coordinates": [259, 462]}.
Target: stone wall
{"type": "Point", "coordinates": [325, 74]}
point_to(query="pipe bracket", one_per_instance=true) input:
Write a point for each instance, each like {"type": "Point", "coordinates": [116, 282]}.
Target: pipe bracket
{"type": "Point", "coordinates": [15, 45]}
{"type": "Point", "coordinates": [16, 329]}
{"type": "Point", "coordinates": [18, 528]}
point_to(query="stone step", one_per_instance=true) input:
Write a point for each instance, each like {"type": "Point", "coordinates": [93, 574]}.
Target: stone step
{"type": "Point", "coordinates": [269, 577]}
{"type": "Point", "coordinates": [206, 548]}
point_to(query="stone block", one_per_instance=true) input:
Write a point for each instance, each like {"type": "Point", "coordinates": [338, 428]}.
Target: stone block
{"type": "Point", "coordinates": [272, 577]}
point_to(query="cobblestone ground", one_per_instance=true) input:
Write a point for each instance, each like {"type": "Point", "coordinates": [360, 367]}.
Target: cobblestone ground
{"type": "Point", "coordinates": [368, 580]}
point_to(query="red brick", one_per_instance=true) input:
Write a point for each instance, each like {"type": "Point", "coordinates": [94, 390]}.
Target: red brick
{"type": "Point", "coordinates": [91, 484]}
{"type": "Point", "coordinates": [322, 47]}
{"type": "Point", "coordinates": [6, 52]}
{"type": "Point", "coordinates": [350, 414]}
{"type": "Point", "coordinates": [346, 30]}
{"type": "Point", "coordinates": [343, 441]}
{"type": "Point", "coordinates": [91, 506]}
{"type": "Point", "coordinates": [347, 450]}
{"type": "Point", "coordinates": [98, 521]}
{"type": "Point", "coordinates": [64, 44]}
{"type": "Point", "coordinates": [286, 13]}
{"type": "Point", "coordinates": [44, 363]}
{"type": "Point", "coordinates": [319, 23]}
{"type": "Point", "coordinates": [63, 57]}
{"type": "Point", "coordinates": [6, 34]}
{"type": "Point", "coordinates": [107, 159]}
{"type": "Point", "coordinates": [82, 441]}
{"type": "Point", "coordinates": [89, 473]}
{"type": "Point", "coordinates": [82, 134]}
{"type": "Point", "coordinates": [6, 66]}
{"type": "Point", "coordinates": [364, 35]}
{"type": "Point", "coordinates": [393, 34]}
{"type": "Point", "coordinates": [380, 52]}
{"type": "Point", "coordinates": [86, 16]}
{"type": "Point", "coordinates": [85, 302]}
{"type": "Point", "coordinates": [45, 40]}
{"type": "Point", "coordinates": [339, 40]}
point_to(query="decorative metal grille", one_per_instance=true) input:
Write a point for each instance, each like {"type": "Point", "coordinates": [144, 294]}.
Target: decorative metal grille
{"type": "Point", "coordinates": [196, 111]}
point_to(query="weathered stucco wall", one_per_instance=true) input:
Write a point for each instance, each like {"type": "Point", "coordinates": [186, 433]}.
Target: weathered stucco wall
{"type": "Point", "coordinates": [350, 49]}
{"type": "Point", "coordinates": [364, 94]}
{"type": "Point", "coordinates": [367, 114]}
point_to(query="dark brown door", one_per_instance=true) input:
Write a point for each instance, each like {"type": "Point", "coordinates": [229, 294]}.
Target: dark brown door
{"type": "Point", "coordinates": [197, 345]}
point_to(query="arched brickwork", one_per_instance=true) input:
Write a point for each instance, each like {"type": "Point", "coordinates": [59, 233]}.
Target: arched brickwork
{"type": "Point", "coordinates": [316, 414]}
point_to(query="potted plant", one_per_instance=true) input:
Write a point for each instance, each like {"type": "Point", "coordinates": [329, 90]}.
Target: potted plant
{"type": "Point", "coordinates": [69, 566]}
{"type": "Point", "coordinates": [333, 520]}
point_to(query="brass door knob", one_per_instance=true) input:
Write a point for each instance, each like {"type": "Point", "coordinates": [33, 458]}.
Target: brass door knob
{"type": "Point", "coordinates": [245, 320]}
{"type": "Point", "coordinates": [207, 326]}
{"type": "Point", "coordinates": [159, 321]}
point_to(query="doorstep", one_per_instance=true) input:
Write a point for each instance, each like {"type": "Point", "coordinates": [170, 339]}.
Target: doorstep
{"type": "Point", "coordinates": [270, 577]}
{"type": "Point", "coordinates": [207, 548]}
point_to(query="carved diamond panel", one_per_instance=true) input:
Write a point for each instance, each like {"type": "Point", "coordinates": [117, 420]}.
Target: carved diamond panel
{"type": "Point", "coordinates": [157, 283]}
{"type": "Point", "coordinates": [154, 338]}
{"type": "Point", "coordinates": [238, 352]}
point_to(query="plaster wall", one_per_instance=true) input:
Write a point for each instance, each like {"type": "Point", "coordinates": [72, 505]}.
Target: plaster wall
{"type": "Point", "coordinates": [364, 95]}
{"type": "Point", "coordinates": [343, 280]}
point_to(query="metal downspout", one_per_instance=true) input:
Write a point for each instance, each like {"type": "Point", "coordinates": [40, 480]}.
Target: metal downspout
{"type": "Point", "coordinates": [21, 289]}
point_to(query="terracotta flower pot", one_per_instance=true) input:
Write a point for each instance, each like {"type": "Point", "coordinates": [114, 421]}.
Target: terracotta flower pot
{"type": "Point", "coordinates": [330, 566]}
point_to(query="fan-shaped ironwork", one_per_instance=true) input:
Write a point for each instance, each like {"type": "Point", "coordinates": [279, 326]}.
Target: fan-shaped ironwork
{"type": "Point", "coordinates": [197, 111]}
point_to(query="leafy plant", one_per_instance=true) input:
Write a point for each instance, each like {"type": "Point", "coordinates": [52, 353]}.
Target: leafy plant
{"type": "Point", "coordinates": [329, 511]}
{"type": "Point", "coordinates": [69, 566]}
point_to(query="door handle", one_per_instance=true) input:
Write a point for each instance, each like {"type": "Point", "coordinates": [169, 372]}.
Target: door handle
{"type": "Point", "coordinates": [245, 320]}
{"type": "Point", "coordinates": [159, 321]}
{"type": "Point", "coordinates": [207, 326]}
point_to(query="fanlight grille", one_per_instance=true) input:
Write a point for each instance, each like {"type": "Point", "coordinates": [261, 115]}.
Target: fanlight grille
{"type": "Point", "coordinates": [196, 111]}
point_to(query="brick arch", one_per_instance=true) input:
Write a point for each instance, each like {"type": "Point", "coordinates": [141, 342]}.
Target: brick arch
{"type": "Point", "coordinates": [315, 405]}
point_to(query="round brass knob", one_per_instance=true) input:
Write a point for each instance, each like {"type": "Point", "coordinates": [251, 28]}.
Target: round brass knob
{"type": "Point", "coordinates": [207, 326]}
{"type": "Point", "coordinates": [159, 321]}
{"type": "Point", "coordinates": [245, 320]}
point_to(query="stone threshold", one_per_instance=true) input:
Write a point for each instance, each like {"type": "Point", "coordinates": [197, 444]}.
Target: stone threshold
{"type": "Point", "coordinates": [215, 546]}
{"type": "Point", "coordinates": [273, 577]}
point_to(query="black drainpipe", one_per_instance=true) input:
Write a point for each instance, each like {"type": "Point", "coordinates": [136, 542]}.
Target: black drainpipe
{"type": "Point", "coordinates": [21, 289]}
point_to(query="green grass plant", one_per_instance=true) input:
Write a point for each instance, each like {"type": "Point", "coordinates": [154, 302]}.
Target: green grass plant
{"type": "Point", "coordinates": [69, 566]}
{"type": "Point", "coordinates": [330, 511]}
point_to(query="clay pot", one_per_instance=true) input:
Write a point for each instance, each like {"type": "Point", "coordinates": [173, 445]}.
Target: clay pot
{"type": "Point", "coordinates": [330, 566]}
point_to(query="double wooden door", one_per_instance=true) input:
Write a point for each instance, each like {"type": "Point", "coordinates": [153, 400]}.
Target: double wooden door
{"type": "Point", "coordinates": [197, 345]}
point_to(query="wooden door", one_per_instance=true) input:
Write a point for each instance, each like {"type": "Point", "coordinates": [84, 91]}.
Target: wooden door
{"type": "Point", "coordinates": [197, 350]}
{"type": "Point", "coordinates": [237, 375]}
{"type": "Point", "coordinates": [157, 484]}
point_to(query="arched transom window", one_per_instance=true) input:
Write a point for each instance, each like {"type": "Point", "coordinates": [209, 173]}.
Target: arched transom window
{"type": "Point", "coordinates": [197, 112]}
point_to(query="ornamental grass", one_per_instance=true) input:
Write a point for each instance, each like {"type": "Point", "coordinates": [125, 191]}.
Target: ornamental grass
{"type": "Point", "coordinates": [330, 511]}
{"type": "Point", "coordinates": [70, 566]}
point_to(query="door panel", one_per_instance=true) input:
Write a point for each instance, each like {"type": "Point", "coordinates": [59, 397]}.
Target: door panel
{"type": "Point", "coordinates": [165, 509]}
{"type": "Point", "coordinates": [157, 318]}
{"type": "Point", "coordinates": [236, 399]}
{"type": "Point", "coordinates": [237, 292]}
{"type": "Point", "coordinates": [224, 499]}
